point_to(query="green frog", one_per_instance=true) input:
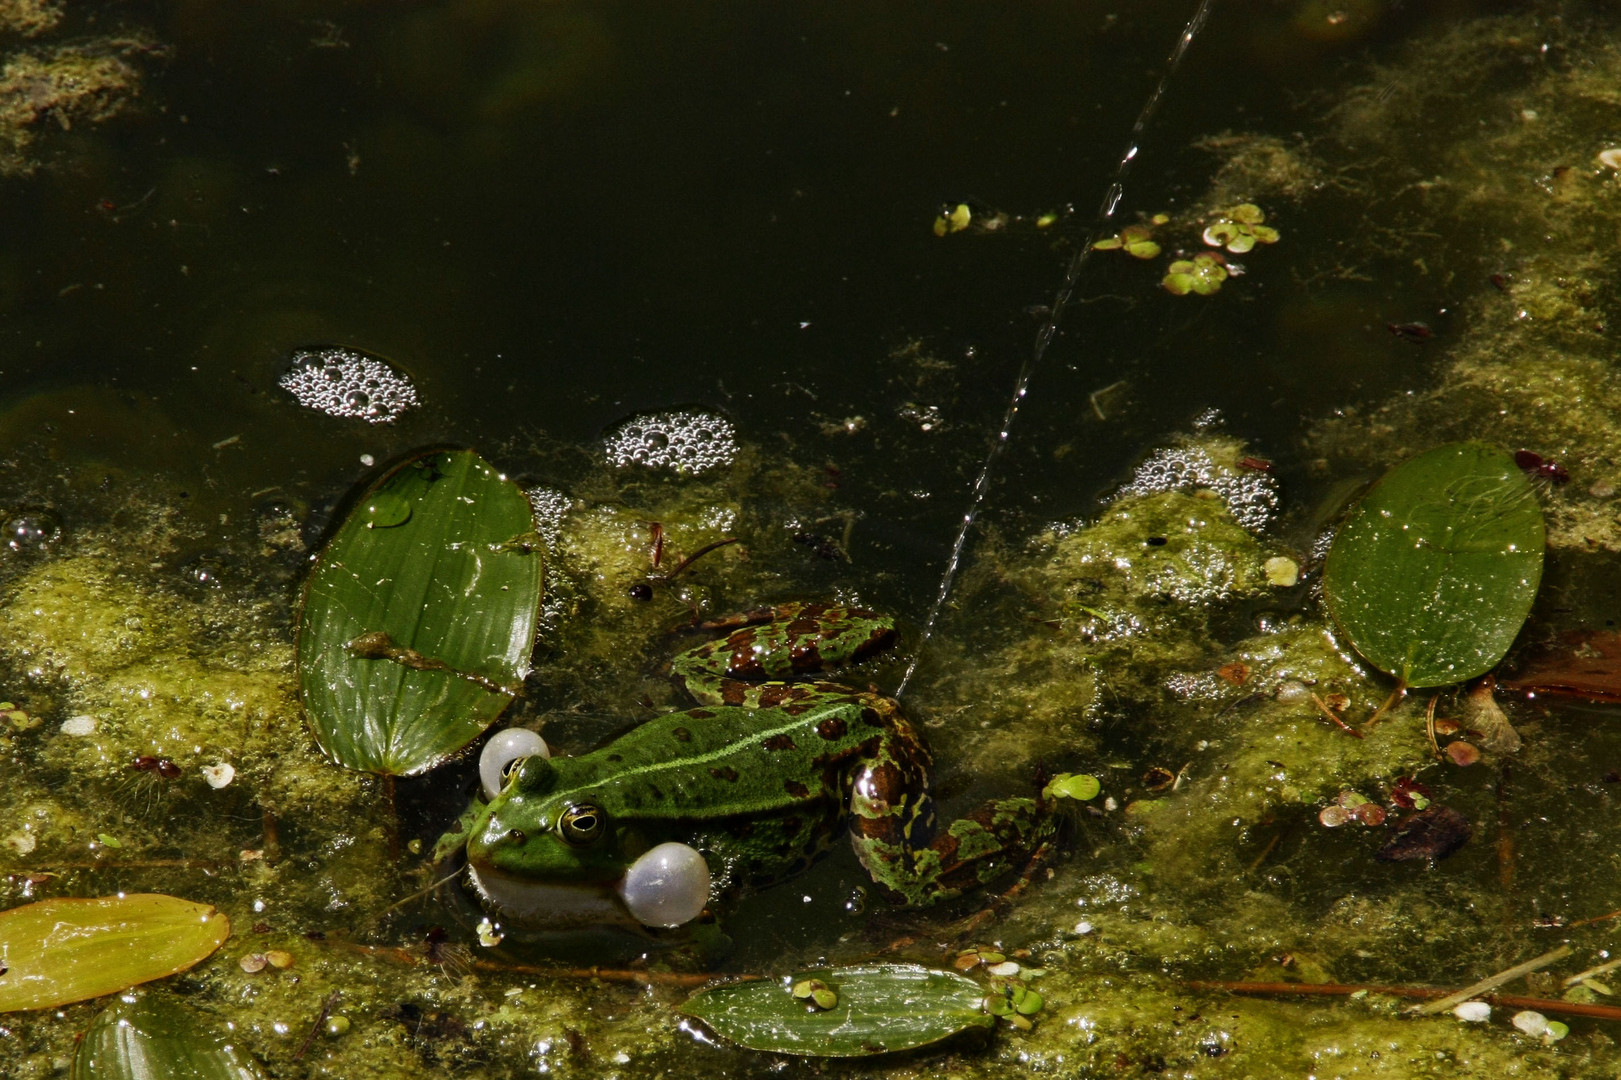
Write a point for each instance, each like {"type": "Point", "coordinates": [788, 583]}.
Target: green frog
{"type": "Point", "coordinates": [698, 807]}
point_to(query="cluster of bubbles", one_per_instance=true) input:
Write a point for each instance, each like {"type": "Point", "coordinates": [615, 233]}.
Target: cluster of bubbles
{"type": "Point", "coordinates": [683, 440]}
{"type": "Point", "coordinates": [549, 506]}
{"type": "Point", "coordinates": [1202, 574]}
{"type": "Point", "coordinates": [349, 384]}
{"type": "Point", "coordinates": [1250, 495]}
{"type": "Point", "coordinates": [1196, 685]}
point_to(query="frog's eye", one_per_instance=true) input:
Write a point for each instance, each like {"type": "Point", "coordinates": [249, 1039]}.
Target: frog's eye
{"type": "Point", "coordinates": [580, 824]}
{"type": "Point", "coordinates": [502, 752]}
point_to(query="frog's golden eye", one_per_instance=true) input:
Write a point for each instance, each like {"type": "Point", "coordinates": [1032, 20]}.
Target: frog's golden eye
{"type": "Point", "coordinates": [581, 823]}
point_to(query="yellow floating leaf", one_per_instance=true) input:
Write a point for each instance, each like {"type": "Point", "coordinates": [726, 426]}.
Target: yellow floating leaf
{"type": "Point", "coordinates": [58, 951]}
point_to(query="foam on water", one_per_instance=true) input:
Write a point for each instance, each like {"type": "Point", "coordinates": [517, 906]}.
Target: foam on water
{"type": "Point", "coordinates": [349, 384]}
{"type": "Point", "coordinates": [682, 440]}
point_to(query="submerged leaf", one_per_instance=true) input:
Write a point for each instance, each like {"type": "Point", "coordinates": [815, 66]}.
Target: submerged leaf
{"type": "Point", "coordinates": [57, 951]}
{"type": "Point", "coordinates": [419, 617]}
{"type": "Point", "coordinates": [1585, 664]}
{"type": "Point", "coordinates": [145, 1036]}
{"type": "Point", "coordinates": [875, 1009]}
{"type": "Point", "coordinates": [1434, 571]}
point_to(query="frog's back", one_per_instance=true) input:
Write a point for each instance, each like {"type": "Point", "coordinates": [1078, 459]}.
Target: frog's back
{"type": "Point", "coordinates": [728, 761]}
{"type": "Point", "coordinates": [762, 792]}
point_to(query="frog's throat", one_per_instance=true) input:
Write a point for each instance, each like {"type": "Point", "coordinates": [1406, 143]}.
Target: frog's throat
{"type": "Point", "coordinates": [545, 906]}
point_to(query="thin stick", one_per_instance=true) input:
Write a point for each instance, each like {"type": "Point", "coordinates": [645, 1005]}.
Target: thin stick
{"type": "Point", "coordinates": [1429, 725]}
{"type": "Point", "coordinates": [1542, 1005]}
{"type": "Point", "coordinates": [1343, 726]}
{"type": "Point", "coordinates": [1592, 971]}
{"type": "Point", "coordinates": [315, 1028]}
{"type": "Point", "coordinates": [1492, 982]}
{"type": "Point", "coordinates": [396, 955]}
{"type": "Point", "coordinates": [1594, 919]}
{"type": "Point", "coordinates": [696, 555]}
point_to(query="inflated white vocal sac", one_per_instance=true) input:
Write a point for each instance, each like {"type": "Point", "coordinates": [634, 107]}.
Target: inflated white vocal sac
{"type": "Point", "coordinates": [667, 886]}
{"type": "Point", "coordinates": [502, 750]}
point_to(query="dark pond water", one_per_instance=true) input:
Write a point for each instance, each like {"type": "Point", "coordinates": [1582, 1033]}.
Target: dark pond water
{"type": "Point", "coordinates": [552, 216]}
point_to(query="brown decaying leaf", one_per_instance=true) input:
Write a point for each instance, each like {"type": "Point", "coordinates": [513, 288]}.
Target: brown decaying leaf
{"type": "Point", "coordinates": [1584, 664]}
{"type": "Point", "coordinates": [1482, 715]}
{"type": "Point", "coordinates": [1432, 833]}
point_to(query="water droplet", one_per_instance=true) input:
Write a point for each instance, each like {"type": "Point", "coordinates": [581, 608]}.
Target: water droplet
{"type": "Point", "coordinates": [385, 509]}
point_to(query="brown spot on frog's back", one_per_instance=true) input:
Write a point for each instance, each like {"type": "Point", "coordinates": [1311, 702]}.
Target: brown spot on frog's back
{"type": "Point", "coordinates": [681, 734]}
{"type": "Point", "coordinates": [779, 742]}
{"type": "Point", "coordinates": [832, 728]}
{"type": "Point", "coordinates": [726, 773]}
{"type": "Point", "coordinates": [871, 718]}
{"type": "Point", "coordinates": [796, 789]}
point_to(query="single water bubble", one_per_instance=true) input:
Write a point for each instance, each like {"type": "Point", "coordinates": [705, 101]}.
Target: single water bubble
{"type": "Point", "coordinates": [356, 399]}
{"type": "Point", "coordinates": [30, 529]}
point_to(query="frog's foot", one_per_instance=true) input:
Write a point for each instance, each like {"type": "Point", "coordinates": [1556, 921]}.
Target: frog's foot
{"type": "Point", "coordinates": [995, 839]}
{"type": "Point", "coordinates": [780, 644]}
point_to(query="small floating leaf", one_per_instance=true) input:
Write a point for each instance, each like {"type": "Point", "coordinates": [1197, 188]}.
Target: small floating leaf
{"type": "Point", "coordinates": [1434, 571]}
{"type": "Point", "coordinates": [419, 617]}
{"type": "Point", "coordinates": [145, 1036]}
{"type": "Point", "coordinates": [876, 1009]}
{"type": "Point", "coordinates": [1079, 786]}
{"type": "Point", "coordinates": [57, 951]}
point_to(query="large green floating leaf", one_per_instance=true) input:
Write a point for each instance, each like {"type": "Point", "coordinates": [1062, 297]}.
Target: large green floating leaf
{"type": "Point", "coordinates": [1433, 574]}
{"type": "Point", "coordinates": [878, 1009]}
{"type": "Point", "coordinates": [419, 617]}
{"type": "Point", "coordinates": [148, 1036]}
{"type": "Point", "coordinates": [57, 951]}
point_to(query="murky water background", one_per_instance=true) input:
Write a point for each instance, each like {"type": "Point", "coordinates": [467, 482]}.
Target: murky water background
{"type": "Point", "coordinates": [552, 216]}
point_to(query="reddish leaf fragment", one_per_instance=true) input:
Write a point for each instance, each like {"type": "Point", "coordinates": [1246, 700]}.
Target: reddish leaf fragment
{"type": "Point", "coordinates": [1585, 664]}
{"type": "Point", "coordinates": [1434, 833]}
{"type": "Point", "coordinates": [1237, 673]}
{"type": "Point", "coordinates": [1544, 468]}
{"type": "Point", "coordinates": [1462, 753]}
{"type": "Point", "coordinates": [1369, 813]}
{"type": "Point", "coordinates": [1258, 464]}
{"type": "Point", "coordinates": [1409, 794]}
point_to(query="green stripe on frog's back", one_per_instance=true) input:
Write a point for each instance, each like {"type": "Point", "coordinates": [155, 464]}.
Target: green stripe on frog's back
{"type": "Point", "coordinates": [722, 762]}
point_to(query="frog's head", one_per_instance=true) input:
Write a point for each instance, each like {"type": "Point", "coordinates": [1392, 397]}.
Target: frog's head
{"type": "Point", "coordinates": [557, 860]}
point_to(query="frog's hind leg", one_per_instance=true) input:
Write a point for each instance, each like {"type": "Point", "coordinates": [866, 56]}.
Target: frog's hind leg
{"type": "Point", "coordinates": [782, 644]}
{"type": "Point", "coordinates": [896, 836]}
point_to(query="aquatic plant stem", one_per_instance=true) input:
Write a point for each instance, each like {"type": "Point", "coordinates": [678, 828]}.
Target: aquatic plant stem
{"type": "Point", "coordinates": [1049, 329]}
{"type": "Point", "coordinates": [1506, 1001]}
{"type": "Point", "coordinates": [1492, 982]}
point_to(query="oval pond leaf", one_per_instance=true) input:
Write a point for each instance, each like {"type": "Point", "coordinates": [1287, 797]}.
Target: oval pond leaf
{"type": "Point", "coordinates": [57, 951]}
{"type": "Point", "coordinates": [1434, 571]}
{"type": "Point", "coordinates": [143, 1036]}
{"type": "Point", "coordinates": [419, 616]}
{"type": "Point", "coordinates": [877, 1009]}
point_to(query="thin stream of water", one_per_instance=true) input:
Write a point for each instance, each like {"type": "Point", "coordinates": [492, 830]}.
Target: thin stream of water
{"type": "Point", "coordinates": [1112, 197]}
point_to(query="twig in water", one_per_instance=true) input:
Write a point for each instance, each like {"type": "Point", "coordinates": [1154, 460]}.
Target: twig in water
{"type": "Point", "coordinates": [1492, 982]}
{"type": "Point", "coordinates": [1592, 972]}
{"type": "Point", "coordinates": [1506, 1001]}
{"type": "Point", "coordinates": [320, 1022]}
{"type": "Point", "coordinates": [1332, 715]}
{"type": "Point", "coordinates": [696, 555]}
{"type": "Point", "coordinates": [1429, 725]}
